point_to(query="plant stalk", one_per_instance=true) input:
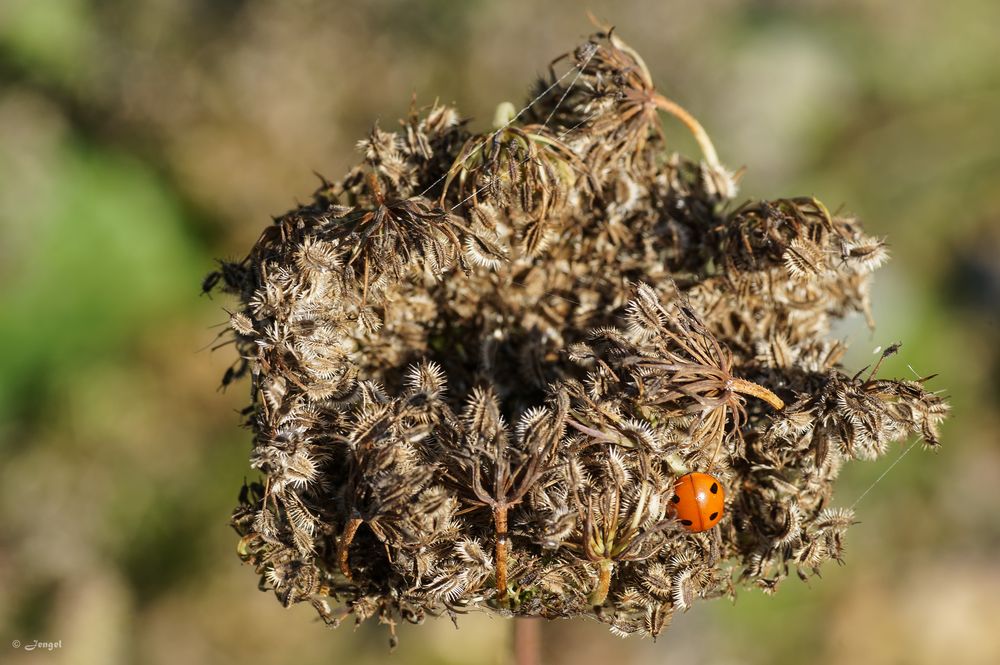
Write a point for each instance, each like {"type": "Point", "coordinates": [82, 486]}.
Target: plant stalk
{"type": "Point", "coordinates": [760, 392]}
{"type": "Point", "coordinates": [345, 544]}
{"type": "Point", "coordinates": [500, 526]}
{"type": "Point", "coordinates": [527, 641]}
{"type": "Point", "coordinates": [699, 133]}
{"type": "Point", "coordinates": [600, 592]}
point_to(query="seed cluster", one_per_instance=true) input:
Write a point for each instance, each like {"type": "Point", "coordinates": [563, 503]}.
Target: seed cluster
{"type": "Point", "coordinates": [480, 362]}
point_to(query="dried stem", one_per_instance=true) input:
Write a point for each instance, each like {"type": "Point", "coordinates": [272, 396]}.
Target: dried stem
{"type": "Point", "coordinates": [750, 388]}
{"type": "Point", "coordinates": [500, 525]}
{"type": "Point", "coordinates": [699, 133]}
{"type": "Point", "coordinates": [345, 545]}
{"type": "Point", "coordinates": [600, 592]}
{"type": "Point", "coordinates": [527, 641]}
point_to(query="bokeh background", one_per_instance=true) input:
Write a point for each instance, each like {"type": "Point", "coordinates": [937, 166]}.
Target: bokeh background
{"type": "Point", "coordinates": [141, 140]}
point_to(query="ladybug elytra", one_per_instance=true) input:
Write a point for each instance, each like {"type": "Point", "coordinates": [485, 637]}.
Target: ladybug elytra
{"type": "Point", "coordinates": [698, 501]}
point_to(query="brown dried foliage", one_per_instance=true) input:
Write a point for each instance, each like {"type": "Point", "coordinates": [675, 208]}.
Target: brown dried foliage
{"type": "Point", "coordinates": [480, 363]}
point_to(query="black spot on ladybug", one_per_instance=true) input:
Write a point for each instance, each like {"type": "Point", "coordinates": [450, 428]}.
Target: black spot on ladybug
{"type": "Point", "coordinates": [676, 499]}
{"type": "Point", "coordinates": [713, 515]}
{"type": "Point", "coordinates": [687, 522]}
{"type": "Point", "coordinates": [714, 489]}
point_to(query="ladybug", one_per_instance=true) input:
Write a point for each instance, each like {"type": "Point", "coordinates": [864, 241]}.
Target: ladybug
{"type": "Point", "coordinates": [698, 501]}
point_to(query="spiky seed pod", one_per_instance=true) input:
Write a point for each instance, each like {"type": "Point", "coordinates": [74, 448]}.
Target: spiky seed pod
{"type": "Point", "coordinates": [480, 364]}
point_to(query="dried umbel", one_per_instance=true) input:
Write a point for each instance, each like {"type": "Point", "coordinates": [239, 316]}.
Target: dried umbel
{"type": "Point", "coordinates": [481, 363]}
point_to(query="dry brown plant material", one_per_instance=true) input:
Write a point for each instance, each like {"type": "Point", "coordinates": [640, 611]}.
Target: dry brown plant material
{"type": "Point", "coordinates": [479, 363]}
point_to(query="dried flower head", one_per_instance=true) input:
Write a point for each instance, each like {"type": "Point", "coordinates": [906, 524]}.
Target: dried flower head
{"type": "Point", "coordinates": [481, 362]}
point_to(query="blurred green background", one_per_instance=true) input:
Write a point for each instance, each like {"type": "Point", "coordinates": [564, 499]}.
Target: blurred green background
{"type": "Point", "coordinates": [141, 140]}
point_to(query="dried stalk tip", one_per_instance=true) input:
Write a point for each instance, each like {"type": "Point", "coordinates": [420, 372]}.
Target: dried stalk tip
{"type": "Point", "coordinates": [481, 362]}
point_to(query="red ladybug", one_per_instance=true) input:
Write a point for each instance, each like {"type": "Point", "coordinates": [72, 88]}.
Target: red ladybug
{"type": "Point", "coordinates": [698, 501]}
